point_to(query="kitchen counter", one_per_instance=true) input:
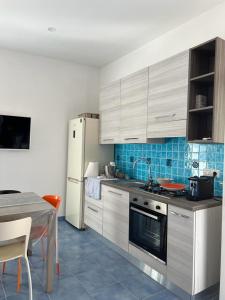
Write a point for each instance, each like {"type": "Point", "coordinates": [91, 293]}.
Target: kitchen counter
{"type": "Point", "coordinates": [132, 186]}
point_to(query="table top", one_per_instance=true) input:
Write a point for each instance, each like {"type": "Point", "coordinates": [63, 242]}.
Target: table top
{"type": "Point", "coordinates": [23, 203]}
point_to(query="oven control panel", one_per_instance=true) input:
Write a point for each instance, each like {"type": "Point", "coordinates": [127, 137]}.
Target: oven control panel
{"type": "Point", "coordinates": [148, 203]}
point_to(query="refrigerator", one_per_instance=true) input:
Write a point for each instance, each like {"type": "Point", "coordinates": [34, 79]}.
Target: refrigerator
{"type": "Point", "coordinates": [83, 147]}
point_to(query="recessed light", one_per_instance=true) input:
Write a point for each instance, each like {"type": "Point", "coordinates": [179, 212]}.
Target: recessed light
{"type": "Point", "coordinates": [51, 29]}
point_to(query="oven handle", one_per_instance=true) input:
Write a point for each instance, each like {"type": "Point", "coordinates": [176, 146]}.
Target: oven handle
{"type": "Point", "coordinates": [144, 213]}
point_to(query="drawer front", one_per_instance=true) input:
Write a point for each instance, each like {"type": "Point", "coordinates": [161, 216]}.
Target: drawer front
{"type": "Point", "coordinates": [167, 129]}
{"type": "Point", "coordinates": [180, 248]}
{"type": "Point", "coordinates": [93, 217]}
{"type": "Point", "coordinates": [118, 194]}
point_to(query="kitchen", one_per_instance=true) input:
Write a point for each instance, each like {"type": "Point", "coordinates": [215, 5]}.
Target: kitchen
{"type": "Point", "coordinates": [164, 207]}
{"type": "Point", "coordinates": [121, 168]}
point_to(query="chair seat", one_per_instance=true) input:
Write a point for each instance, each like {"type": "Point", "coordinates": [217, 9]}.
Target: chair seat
{"type": "Point", "coordinates": [10, 251]}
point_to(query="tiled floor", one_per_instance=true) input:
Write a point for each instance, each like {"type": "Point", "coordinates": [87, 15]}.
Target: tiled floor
{"type": "Point", "coordinates": [90, 270]}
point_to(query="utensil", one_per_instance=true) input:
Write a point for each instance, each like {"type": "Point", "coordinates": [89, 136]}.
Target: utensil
{"type": "Point", "coordinates": [173, 186]}
{"type": "Point", "coordinates": [163, 180]}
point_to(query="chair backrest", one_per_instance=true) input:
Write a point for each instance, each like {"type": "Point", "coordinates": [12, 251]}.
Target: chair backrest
{"type": "Point", "coordinates": [16, 229]}
{"type": "Point", "coordinates": [54, 200]}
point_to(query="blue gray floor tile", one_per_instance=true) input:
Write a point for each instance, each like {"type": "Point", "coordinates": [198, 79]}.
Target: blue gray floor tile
{"type": "Point", "coordinates": [90, 270]}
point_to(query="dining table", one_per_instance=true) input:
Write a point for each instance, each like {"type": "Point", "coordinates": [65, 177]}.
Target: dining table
{"type": "Point", "coordinates": [29, 204]}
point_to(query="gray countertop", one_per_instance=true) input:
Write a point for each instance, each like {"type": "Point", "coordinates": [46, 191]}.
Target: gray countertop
{"type": "Point", "coordinates": [132, 186]}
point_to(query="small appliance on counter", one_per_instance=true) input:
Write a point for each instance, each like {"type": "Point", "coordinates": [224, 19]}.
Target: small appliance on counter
{"type": "Point", "coordinates": [110, 170]}
{"type": "Point", "coordinates": [200, 188]}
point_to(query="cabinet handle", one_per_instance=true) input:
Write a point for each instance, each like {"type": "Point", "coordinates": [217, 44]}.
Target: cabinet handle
{"type": "Point", "coordinates": [184, 216]}
{"type": "Point", "coordinates": [73, 180]}
{"type": "Point", "coordinates": [118, 194]}
{"type": "Point", "coordinates": [128, 139]}
{"type": "Point", "coordinates": [165, 116]}
{"type": "Point", "coordinates": [144, 213]}
{"type": "Point", "coordinates": [178, 215]}
{"type": "Point", "coordinates": [105, 140]}
{"type": "Point", "coordinates": [174, 213]}
{"type": "Point", "coordinates": [95, 210]}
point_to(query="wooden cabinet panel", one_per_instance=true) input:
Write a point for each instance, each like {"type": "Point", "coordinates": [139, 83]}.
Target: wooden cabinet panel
{"type": "Point", "coordinates": [110, 96]}
{"type": "Point", "coordinates": [110, 126]}
{"type": "Point", "coordinates": [168, 91]}
{"type": "Point", "coordinates": [109, 107]}
{"type": "Point", "coordinates": [93, 216]}
{"type": "Point", "coordinates": [116, 216]}
{"type": "Point", "coordinates": [134, 94]}
{"type": "Point", "coordinates": [180, 251]}
{"type": "Point", "coordinates": [168, 128]}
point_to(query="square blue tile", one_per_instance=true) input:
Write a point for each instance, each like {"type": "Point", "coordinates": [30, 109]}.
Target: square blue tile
{"type": "Point", "coordinates": [142, 286]}
{"type": "Point", "coordinates": [114, 292]}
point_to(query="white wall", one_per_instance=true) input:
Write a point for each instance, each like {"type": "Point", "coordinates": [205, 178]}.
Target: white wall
{"type": "Point", "coordinates": [51, 92]}
{"type": "Point", "coordinates": [196, 31]}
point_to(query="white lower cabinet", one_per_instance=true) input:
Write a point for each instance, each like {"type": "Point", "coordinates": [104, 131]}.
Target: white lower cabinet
{"type": "Point", "coordinates": [193, 240]}
{"type": "Point", "coordinates": [93, 214]}
{"type": "Point", "coordinates": [116, 216]}
{"type": "Point", "coordinates": [193, 252]}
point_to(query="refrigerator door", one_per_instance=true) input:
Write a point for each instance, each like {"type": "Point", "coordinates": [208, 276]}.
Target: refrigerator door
{"type": "Point", "coordinates": [74, 203]}
{"type": "Point", "coordinates": [76, 139]}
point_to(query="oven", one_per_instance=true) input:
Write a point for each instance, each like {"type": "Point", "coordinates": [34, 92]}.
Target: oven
{"type": "Point", "coordinates": [148, 226]}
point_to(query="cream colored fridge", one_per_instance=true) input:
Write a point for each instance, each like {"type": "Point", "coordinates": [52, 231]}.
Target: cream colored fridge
{"type": "Point", "coordinates": [83, 147]}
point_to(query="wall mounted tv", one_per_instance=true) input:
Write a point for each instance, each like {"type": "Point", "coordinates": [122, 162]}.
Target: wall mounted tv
{"type": "Point", "coordinates": [14, 132]}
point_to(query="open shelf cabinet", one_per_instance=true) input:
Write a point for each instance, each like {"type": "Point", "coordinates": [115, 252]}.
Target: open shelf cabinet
{"type": "Point", "coordinates": [206, 78]}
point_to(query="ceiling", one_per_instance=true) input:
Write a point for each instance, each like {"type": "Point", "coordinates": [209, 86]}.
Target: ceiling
{"type": "Point", "coordinates": [92, 32]}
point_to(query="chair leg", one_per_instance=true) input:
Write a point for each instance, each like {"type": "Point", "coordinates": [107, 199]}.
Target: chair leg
{"type": "Point", "coordinates": [29, 279]}
{"type": "Point", "coordinates": [19, 274]}
{"type": "Point", "coordinates": [3, 267]}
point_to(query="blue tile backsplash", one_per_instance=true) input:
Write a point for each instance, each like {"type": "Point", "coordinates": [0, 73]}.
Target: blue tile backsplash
{"type": "Point", "coordinates": [175, 159]}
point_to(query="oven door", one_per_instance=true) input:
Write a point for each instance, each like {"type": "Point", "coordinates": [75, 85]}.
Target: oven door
{"type": "Point", "coordinates": [148, 231]}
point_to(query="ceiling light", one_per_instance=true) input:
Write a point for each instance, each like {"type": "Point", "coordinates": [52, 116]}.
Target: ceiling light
{"type": "Point", "coordinates": [51, 29]}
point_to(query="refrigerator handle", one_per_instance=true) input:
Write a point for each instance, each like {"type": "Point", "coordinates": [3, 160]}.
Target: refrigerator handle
{"type": "Point", "coordinates": [73, 180]}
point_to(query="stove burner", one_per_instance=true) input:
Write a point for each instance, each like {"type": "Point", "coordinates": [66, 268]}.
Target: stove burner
{"type": "Point", "coordinates": [155, 188]}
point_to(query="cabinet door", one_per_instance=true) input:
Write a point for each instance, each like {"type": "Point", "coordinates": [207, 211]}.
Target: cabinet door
{"type": "Point", "coordinates": [180, 245]}
{"type": "Point", "coordinates": [134, 94]}
{"type": "Point", "coordinates": [116, 216]}
{"type": "Point", "coordinates": [168, 92]}
{"type": "Point", "coordinates": [109, 107]}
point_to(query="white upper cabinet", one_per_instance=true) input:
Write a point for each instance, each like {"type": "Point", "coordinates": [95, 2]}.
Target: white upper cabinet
{"type": "Point", "coordinates": [109, 107]}
{"type": "Point", "coordinates": [148, 104]}
{"type": "Point", "coordinates": [134, 96]}
{"type": "Point", "coordinates": [167, 103]}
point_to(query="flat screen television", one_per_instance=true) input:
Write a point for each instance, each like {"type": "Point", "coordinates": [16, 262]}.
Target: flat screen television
{"type": "Point", "coordinates": [14, 132]}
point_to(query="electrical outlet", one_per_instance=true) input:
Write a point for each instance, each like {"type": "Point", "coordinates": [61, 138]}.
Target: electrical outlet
{"type": "Point", "coordinates": [211, 172]}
